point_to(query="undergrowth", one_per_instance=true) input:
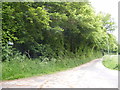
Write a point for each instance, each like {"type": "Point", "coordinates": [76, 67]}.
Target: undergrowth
{"type": "Point", "coordinates": [15, 69]}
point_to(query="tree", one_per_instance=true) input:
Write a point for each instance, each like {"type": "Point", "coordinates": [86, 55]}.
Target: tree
{"type": "Point", "coordinates": [41, 28]}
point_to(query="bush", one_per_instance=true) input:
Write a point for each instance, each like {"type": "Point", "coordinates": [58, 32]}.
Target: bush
{"type": "Point", "coordinates": [9, 53]}
{"type": "Point", "coordinates": [42, 51]}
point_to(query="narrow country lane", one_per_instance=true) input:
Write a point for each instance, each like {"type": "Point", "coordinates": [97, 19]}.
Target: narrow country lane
{"type": "Point", "coordinates": [90, 75]}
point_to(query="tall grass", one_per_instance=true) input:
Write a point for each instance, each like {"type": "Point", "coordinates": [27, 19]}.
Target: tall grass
{"type": "Point", "coordinates": [15, 69]}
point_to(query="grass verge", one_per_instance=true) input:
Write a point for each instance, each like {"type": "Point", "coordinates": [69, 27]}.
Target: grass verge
{"type": "Point", "coordinates": [27, 68]}
{"type": "Point", "coordinates": [111, 62]}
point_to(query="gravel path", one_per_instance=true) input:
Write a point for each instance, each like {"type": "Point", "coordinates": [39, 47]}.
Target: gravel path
{"type": "Point", "coordinates": [90, 75]}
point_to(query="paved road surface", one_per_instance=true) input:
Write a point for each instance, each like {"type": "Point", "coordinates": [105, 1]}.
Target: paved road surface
{"type": "Point", "coordinates": [90, 75]}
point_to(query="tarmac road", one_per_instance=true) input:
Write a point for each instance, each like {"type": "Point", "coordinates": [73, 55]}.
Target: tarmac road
{"type": "Point", "coordinates": [89, 75]}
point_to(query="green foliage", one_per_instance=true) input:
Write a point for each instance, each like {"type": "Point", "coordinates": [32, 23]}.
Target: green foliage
{"type": "Point", "coordinates": [108, 22]}
{"type": "Point", "coordinates": [51, 31]}
{"type": "Point", "coordinates": [119, 49]}
{"type": "Point", "coordinates": [43, 50]}
{"type": "Point", "coordinates": [6, 53]}
{"type": "Point", "coordinates": [20, 69]}
{"type": "Point", "coordinates": [9, 54]}
{"type": "Point", "coordinates": [111, 62]}
{"type": "Point", "coordinates": [61, 26]}
{"type": "Point", "coordinates": [9, 27]}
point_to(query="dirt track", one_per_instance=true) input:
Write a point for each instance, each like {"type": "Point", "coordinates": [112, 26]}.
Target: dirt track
{"type": "Point", "coordinates": [90, 75]}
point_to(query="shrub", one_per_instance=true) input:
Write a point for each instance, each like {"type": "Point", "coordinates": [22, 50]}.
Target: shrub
{"type": "Point", "coordinates": [9, 53]}
{"type": "Point", "coordinates": [43, 51]}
